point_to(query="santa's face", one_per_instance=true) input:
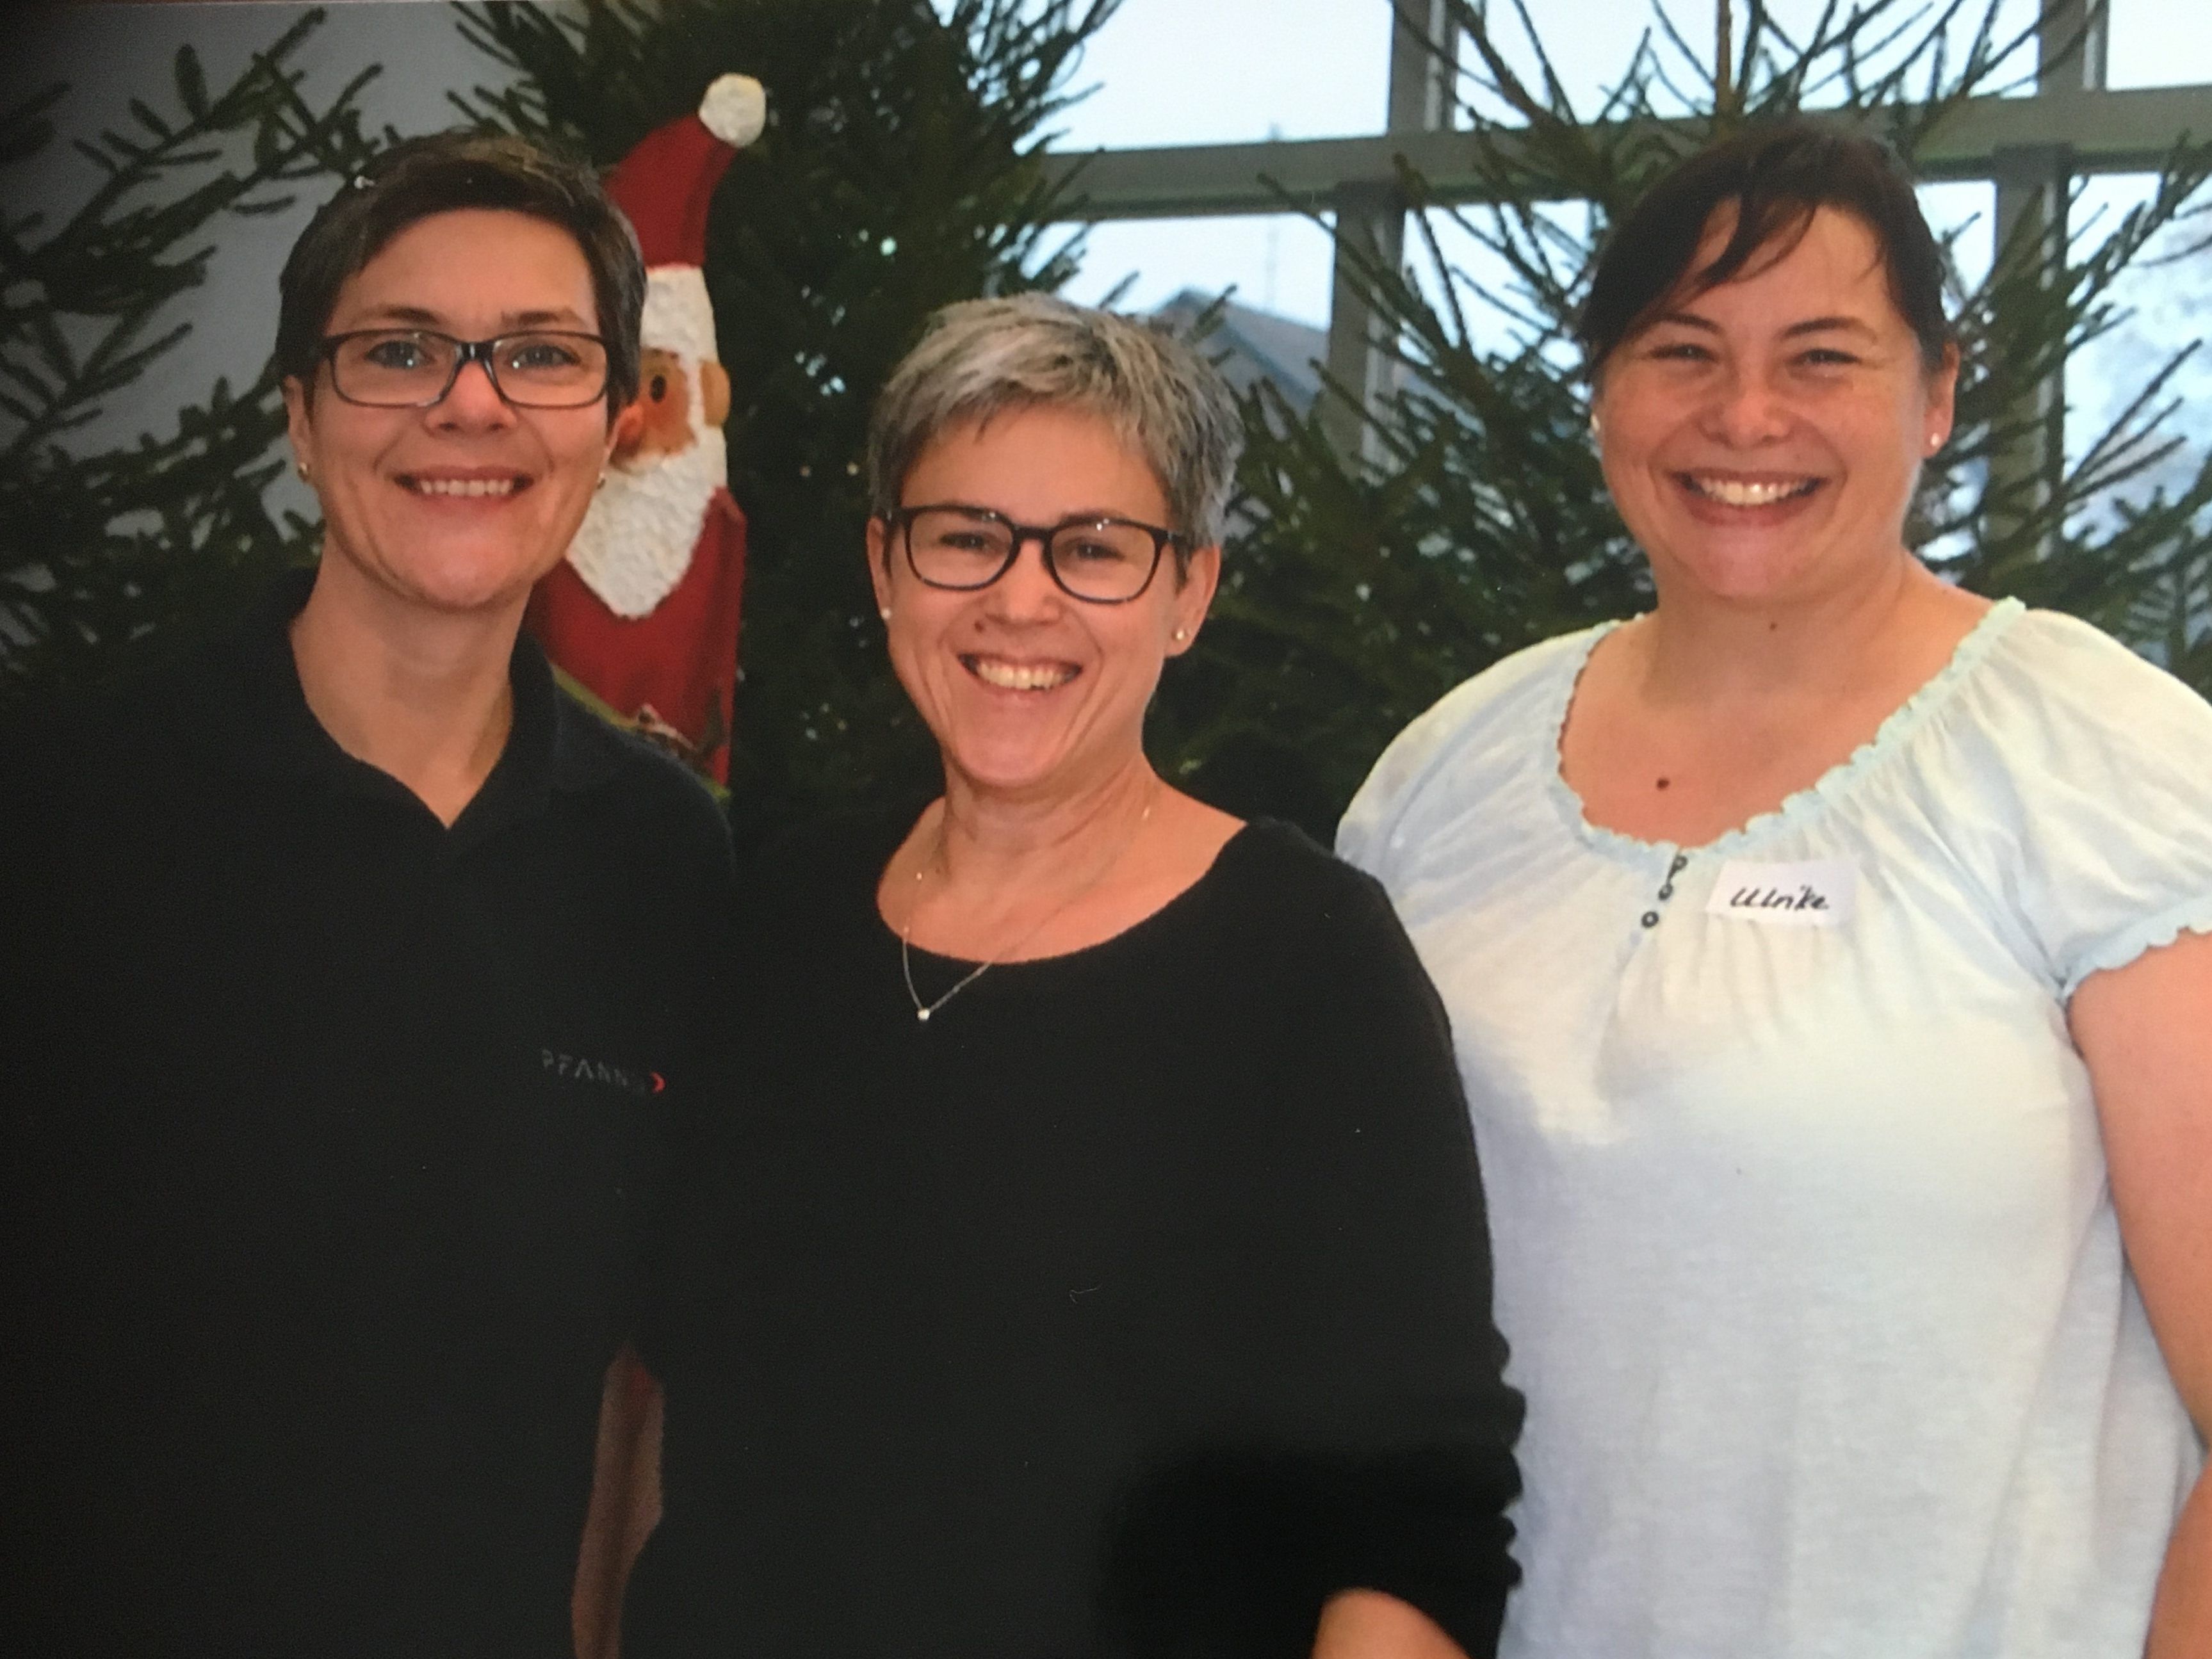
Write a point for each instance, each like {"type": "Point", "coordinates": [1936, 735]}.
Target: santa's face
{"type": "Point", "coordinates": [462, 505]}
{"type": "Point", "coordinates": [636, 543]}
{"type": "Point", "coordinates": [1031, 693]}
{"type": "Point", "coordinates": [669, 387]}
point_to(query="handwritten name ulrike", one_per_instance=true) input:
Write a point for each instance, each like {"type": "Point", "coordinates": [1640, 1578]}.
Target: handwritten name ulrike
{"type": "Point", "coordinates": [1813, 893]}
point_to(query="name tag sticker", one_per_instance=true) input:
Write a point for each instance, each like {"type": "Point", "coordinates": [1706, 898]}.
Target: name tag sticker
{"type": "Point", "coordinates": [1818, 893]}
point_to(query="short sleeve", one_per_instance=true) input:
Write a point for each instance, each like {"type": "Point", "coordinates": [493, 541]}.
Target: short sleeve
{"type": "Point", "coordinates": [1362, 836]}
{"type": "Point", "coordinates": [2108, 778]}
{"type": "Point", "coordinates": [1503, 720]}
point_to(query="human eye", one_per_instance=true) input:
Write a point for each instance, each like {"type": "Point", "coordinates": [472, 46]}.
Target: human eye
{"type": "Point", "coordinates": [398, 352]}
{"type": "Point", "coordinates": [1677, 350]}
{"type": "Point", "coordinates": [1826, 357]}
{"type": "Point", "coordinates": [1092, 549]}
{"type": "Point", "coordinates": [543, 351]}
{"type": "Point", "coordinates": [964, 535]}
{"type": "Point", "coordinates": [952, 531]}
{"type": "Point", "coordinates": [1100, 545]}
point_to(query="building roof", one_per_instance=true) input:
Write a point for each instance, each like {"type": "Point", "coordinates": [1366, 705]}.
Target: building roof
{"type": "Point", "coordinates": [1254, 345]}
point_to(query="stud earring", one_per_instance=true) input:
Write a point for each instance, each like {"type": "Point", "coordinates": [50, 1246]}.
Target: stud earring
{"type": "Point", "coordinates": [300, 467]}
{"type": "Point", "coordinates": [1181, 635]}
{"type": "Point", "coordinates": [884, 612]}
{"type": "Point", "coordinates": [602, 483]}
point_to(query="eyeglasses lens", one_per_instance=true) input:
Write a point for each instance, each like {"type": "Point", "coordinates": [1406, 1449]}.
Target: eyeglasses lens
{"type": "Point", "coordinates": [1104, 561]}
{"type": "Point", "coordinates": [407, 368]}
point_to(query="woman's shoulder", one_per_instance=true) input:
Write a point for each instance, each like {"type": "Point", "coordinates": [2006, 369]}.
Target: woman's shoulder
{"type": "Point", "coordinates": [1499, 727]}
{"type": "Point", "coordinates": [1268, 855]}
{"type": "Point", "coordinates": [2074, 777]}
{"type": "Point", "coordinates": [1511, 692]}
{"type": "Point", "coordinates": [1312, 948]}
{"type": "Point", "coordinates": [2066, 661]}
{"type": "Point", "coordinates": [2055, 690]}
{"type": "Point", "coordinates": [1279, 888]}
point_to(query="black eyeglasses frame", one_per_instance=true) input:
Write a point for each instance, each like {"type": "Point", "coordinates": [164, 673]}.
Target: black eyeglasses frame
{"type": "Point", "coordinates": [901, 521]}
{"type": "Point", "coordinates": [465, 353]}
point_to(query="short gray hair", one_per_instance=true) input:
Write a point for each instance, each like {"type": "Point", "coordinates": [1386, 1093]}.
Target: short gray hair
{"type": "Point", "coordinates": [980, 358]}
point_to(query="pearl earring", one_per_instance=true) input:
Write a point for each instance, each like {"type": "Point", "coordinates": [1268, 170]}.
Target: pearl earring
{"type": "Point", "coordinates": [300, 467]}
{"type": "Point", "coordinates": [1181, 635]}
{"type": "Point", "coordinates": [884, 612]}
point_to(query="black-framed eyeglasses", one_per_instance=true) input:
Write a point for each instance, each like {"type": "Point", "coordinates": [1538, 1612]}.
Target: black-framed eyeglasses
{"type": "Point", "coordinates": [416, 368]}
{"type": "Point", "coordinates": [1100, 561]}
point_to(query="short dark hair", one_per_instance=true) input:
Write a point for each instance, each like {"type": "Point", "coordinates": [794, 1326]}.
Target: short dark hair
{"type": "Point", "coordinates": [445, 173]}
{"type": "Point", "coordinates": [1777, 174]}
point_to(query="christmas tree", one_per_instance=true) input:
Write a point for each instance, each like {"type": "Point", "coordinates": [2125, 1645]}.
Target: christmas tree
{"type": "Point", "coordinates": [1474, 520]}
{"type": "Point", "coordinates": [105, 555]}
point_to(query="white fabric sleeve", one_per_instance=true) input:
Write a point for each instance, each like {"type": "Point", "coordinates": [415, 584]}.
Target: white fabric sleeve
{"type": "Point", "coordinates": [1365, 834]}
{"type": "Point", "coordinates": [2110, 760]}
{"type": "Point", "coordinates": [1502, 719]}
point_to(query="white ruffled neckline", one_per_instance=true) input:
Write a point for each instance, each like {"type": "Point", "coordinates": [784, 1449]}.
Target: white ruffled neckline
{"type": "Point", "coordinates": [1799, 808]}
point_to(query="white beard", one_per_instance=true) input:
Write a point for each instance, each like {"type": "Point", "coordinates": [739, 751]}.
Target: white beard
{"type": "Point", "coordinates": [636, 541]}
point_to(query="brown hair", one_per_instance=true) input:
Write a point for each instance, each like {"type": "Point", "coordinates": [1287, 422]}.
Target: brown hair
{"type": "Point", "coordinates": [445, 173]}
{"type": "Point", "coordinates": [1776, 175]}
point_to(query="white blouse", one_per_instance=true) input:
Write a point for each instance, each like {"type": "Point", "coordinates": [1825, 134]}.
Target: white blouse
{"type": "Point", "coordinates": [1804, 1241]}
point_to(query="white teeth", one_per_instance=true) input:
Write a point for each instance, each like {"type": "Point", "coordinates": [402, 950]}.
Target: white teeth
{"type": "Point", "coordinates": [462, 486]}
{"type": "Point", "coordinates": [1734, 492]}
{"type": "Point", "coordinates": [1017, 676]}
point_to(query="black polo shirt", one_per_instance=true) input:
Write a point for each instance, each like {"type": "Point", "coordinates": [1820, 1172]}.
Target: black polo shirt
{"type": "Point", "coordinates": [331, 1139]}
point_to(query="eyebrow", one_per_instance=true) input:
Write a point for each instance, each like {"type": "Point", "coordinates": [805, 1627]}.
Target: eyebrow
{"type": "Point", "coordinates": [1810, 326]}
{"type": "Point", "coordinates": [507, 320]}
{"type": "Point", "coordinates": [1081, 515]}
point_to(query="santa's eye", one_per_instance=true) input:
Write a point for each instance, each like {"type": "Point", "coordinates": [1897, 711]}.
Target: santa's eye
{"type": "Point", "coordinates": [659, 387]}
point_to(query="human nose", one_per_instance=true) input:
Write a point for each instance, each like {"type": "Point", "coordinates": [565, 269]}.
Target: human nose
{"type": "Point", "coordinates": [1027, 589]}
{"type": "Point", "coordinates": [474, 397]}
{"type": "Point", "coordinates": [1746, 409]}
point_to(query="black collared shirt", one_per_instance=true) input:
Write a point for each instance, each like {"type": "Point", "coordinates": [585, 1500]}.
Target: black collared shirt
{"type": "Point", "coordinates": [333, 1141]}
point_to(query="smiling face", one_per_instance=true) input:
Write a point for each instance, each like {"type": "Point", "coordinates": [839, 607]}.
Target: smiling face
{"type": "Point", "coordinates": [1762, 439]}
{"type": "Point", "coordinates": [461, 506]}
{"type": "Point", "coordinates": [1028, 692]}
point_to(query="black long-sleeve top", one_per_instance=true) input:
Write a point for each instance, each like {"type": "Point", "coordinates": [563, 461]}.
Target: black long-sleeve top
{"type": "Point", "coordinates": [1135, 1303]}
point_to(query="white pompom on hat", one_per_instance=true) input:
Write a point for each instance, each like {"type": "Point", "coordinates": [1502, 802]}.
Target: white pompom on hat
{"type": "Point", "coordinates": [734, 109]}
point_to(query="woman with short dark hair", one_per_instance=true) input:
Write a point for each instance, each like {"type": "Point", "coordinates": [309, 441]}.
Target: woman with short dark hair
{"type": "Point", "coordinates": [364, 995]}
{"type": "Point", "coordinates": [1092, 1262]}
{"type": "Point", "coordinates": [1827, 954]}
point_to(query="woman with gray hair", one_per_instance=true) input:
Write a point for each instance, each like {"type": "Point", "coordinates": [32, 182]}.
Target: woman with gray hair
{"type": "Point", "coordinates": [1094, 1261]}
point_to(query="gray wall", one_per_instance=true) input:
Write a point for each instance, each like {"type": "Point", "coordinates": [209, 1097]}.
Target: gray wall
{"type": "Point", "coordinates": [109, 54]}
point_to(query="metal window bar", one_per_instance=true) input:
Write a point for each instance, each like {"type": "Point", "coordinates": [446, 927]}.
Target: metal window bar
{"type": "Point", "coordinates": [2031, 147]}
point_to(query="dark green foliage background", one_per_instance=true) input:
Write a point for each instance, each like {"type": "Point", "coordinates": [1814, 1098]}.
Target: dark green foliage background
{"type": "Point", "coordinates": [107, 557]}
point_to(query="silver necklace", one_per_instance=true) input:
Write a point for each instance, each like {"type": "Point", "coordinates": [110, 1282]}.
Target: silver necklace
{"type": "Point", "coordinates": [923, 1009]}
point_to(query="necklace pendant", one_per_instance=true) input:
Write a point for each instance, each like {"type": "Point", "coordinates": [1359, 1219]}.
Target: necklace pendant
{"type": "Point", "coordinates": [923, 1014]}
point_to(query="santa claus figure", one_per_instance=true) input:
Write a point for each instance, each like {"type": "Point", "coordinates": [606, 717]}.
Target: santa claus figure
{"type": "Point", "coordinates": [642, 615]}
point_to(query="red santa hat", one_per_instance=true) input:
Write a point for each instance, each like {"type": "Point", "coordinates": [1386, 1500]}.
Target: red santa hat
{"type": "Point", "coordinates": [665, 185]}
